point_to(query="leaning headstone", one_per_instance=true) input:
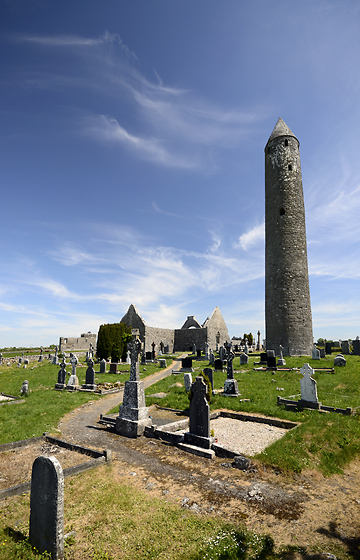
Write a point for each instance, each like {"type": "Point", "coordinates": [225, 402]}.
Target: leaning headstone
{"type": "Point", "coordinates": [133, 414]}
{"type": "Point", "coordinates": [345, 347]}
{"type": "Point", "coordinates": [210, 374]}
{"type": "Point", "coordinates": [25, 388]}
{"type": "Point", "coordinates": [187, 381]}
{"type": "Point", "coordinates": [90, 377]}
{"type": "Point", "coordinates": [244, 359]}
{"type": "Point", "coordinates": [61, 382]}
{"type": "Point", "coordinates": [197, 440]}
{"type": "Point", "coordinates": [103, 366]}
{"type": "Point", "coordinates": [315, 354]}
{"type": "Point", "coordinates": [308, 386]}
{"type": "Point", "coordinates": [47, 507]}
{"type": "Point", "coordinates": [339, 360]}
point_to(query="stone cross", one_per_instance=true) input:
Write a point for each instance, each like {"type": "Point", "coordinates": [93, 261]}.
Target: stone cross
{"type": "Point", "coordinates": [74, 362]}
{"type": "Point", "coordinates": [134, 347]}
{"type": "Point", "coordinates": [308, 385]}
{"type": "Point", "coordinates": [47, 507]}
{"type": "Point", "coordinates": [258, 346]}
{"type": "Point", "coordinates": [62, 374]}
{"type": "Point", "coordinates": [230, 357]}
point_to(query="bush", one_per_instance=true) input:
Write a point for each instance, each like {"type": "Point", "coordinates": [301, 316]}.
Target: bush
{"type": "Point", "coordinates": [112, 341]}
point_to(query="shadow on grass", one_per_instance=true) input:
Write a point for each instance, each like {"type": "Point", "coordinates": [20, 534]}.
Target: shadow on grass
{"type": "Point", "coordinates": [16, 536]}
{"type": "Point", "coordinates": [352, 544]}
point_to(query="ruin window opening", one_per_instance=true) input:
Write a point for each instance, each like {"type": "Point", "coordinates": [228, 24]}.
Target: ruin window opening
{"type": "Point", "coordinates": [269, 150]}
{"type": "Point", "coordinates": [290, 167]}
{"type": "Point", "coordinates": [286, 142]}
{"type": "Point", "coordinates": [282, 211]}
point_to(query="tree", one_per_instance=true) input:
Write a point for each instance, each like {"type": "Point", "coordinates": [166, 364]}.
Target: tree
{"type": "Point", "coordinates": [112, 341]}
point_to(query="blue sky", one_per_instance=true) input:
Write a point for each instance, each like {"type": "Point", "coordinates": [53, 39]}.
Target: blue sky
{"type": "Point", "coordinates": [132, 139]}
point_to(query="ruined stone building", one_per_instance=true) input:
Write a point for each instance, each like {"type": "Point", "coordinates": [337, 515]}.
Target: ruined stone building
{"type": "Point", "coordinates": [81, 344]}
{"type": "Point", "coordinates": [287, 295]}
{"type": "Point", "coordinates": [213, 331]}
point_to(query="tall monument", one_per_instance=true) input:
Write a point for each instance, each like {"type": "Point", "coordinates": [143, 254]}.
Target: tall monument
{"type": "Point", "coordinates": [287, 295]}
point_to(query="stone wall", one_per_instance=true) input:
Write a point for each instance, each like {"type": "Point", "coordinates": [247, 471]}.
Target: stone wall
{"type": "Point", "coordinates": [82, 344]}
{"type": "Point", "coordinates": [185, 338]}
{"type": "Point", "coordinates": [157, 335]}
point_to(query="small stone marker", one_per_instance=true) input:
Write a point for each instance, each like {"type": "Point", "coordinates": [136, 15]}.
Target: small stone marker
{"type": "Point", "coordinates": [47, 507]}
{"type": "Point", "coordinates": [61, 382]}
{"type": "Point", "coordinates": [315, 354]}
{"type": "Point", "coordinates": [103, 366]}
{"type": "Point", "coordinates": [162, 362]}
{"type": "Point", "coordinates": [209, 372]}
{"type": "Point", "coordinates": [308, 386]}
{"type": "Point", "coordinates": [113, 367]}
{"type": "Point", "coordinates": [339, 360]}
{"type": "Point", "coordinates": [25, 388]}
{"type": "Point", "coordinates": [244, 359]}
{"type": "Point", "coordinates": [187, 381]}
{"type": "Point", "coordinates": [73, 383]}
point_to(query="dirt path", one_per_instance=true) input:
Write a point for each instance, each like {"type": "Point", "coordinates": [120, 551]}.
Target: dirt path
{"type": "Point", "coordinates": [300, 510]}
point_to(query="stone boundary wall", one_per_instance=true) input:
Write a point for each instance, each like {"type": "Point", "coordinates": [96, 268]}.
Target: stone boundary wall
{"type": "Point", "coordinates": [73, 344]}
{"type": "Point", "coordinates": [185, 338]}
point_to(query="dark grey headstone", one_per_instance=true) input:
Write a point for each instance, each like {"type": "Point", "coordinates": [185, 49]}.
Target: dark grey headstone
{"type": "Point", "coordinates": [345, 347]}
{"type": "Point", "coordinates": [148, 356]}
{"type": "Point", "coordinates": [263, 357]}
{"type": "Point", "coordinates": [198, 353]}
{"type": "Point", "coordinates": [244, 359]}
{"type": "Point", "coordinates": [103, 366]}
{"type": "Point", "coordinates": [328, 347]}
{"type": "Point", "coordinates": [113, 368]}
{"type": "Point", "coordinates": [356, 347]}
{"type": "Point", "coordinates": [199, 409]}
{"type": "Point", "coordinates": [47, 507]}
{"type": "Point", "coordinates": [218, 365]}
{"type": "Point", "coordinates": [271, 361]}
{"type": "Point", "coordinates": [186, 363]}
{"type": "Point", "coordinates": [322, 352]}
{"type": "Point", "coordinates": [62, 374]}
{"type": "Point", "coordinates": [270, 353]}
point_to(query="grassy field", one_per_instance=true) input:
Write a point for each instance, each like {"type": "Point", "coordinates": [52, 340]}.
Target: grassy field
{"type": "Point", "coordinates": [117, 521]}
{"type": "Point", "coordinates": [44, 407]}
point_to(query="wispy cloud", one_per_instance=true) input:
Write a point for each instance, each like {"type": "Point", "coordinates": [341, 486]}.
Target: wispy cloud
{"type": "Point", "coordinates": [251, 238]}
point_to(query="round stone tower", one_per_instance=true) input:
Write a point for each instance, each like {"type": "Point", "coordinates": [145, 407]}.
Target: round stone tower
{"type": "Point", "coordinates": [287, 295]}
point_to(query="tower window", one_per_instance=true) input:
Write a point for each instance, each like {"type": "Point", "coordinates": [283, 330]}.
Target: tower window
{"type": "Point", "coordinates": [290, 167]}
{"type": "Point", "coordinates": [282, 211]}
{"type": "Point", "coordinates": [286, 142]}
{"type": "Point", "coordinates": [269, 150]}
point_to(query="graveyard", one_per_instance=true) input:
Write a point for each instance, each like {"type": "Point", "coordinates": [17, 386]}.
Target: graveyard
{"type": "Point", "coordinates": [155, 500]}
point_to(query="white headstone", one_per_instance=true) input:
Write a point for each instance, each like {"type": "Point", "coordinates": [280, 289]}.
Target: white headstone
{"type": "Point", "coordinates": [308, 384]}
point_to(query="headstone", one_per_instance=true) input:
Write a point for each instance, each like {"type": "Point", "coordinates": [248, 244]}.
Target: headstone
{"type": "Point", "coordinates": [73, 383]}
{"type": "Point", "coordinates": [162, 362]}
{"type": "Point", "coordinates": [166, 349]}
{"type": "Point", "coordinates": [328, 346]}
{"type": "Point", "coordinates": [56, 359]}
{"type": "Point", "coordinates": [345, 347]}
{"type": "Point", "coordinates": [258, 344]}
{"type": "Point", "coordinates": [61, 382]}
{"type": "Point", "coordinates": [143, 359]}
{"type": "Point", "coordinates": [103, 366]}
{"type": "Point", "coordinates": [186, 363]}
{"type": "Point", "coordinates": [148, 356]}
{"type": "Point", "coordinates": [74, 362]}
{"type": "Point", "coordinates": [153, 354]}
{"type": "Point", "coordinates": [25, 388]}
{"type": "Point", "coordinates": [218, 365]}
{"type": "Point", "coordinates": [322, 352]}
{"type": "Point", "coordinates": [198, 435]}
{"type": "Point", "coordinates": [230, 384]}
{"type": "Point", "coordinates": [128, 359]}
{"type": "Point", "coordinates": [246, 348]}
{"type": "Point", "coordinates": [222, 353]}
{"type": "Point", "coordinates": [194, 349]}
{"type": "Point", "coordinates": [133, 414]}
{"type": "Point", "coordinates": [308, 385]}
{"type": "Point", "coordinates": [198, 354]}
{"type": "Point", "coordinates": [211, 358]}
{"type": "Point", "coordinates": [356, 346]}
{"type": "Point", "coordinates": [207, 351]}
{"type": "Point", "coordinates": [244, 359]}
{"type": "Point", "coordinates": [263, 358]}
{"type": "Point", "coordinates": [270, 359]}
{"type": "Point", "coordinates": [47, 507]}
{"type": "Point", "coordinates": [90, 377]}
{"type": "Point", "coordinates": [187, 381]}
{"type": "Point", "coordinates": [281, 361]}
{"type": "Point", "coordinates": [339, 360]}
{"type": "Point", "coordinates": [315, 354]}
{"type": "Point", "coordinates": [209, 372]}
{"type": "Point", "coordinates": [41, 355]}
{"type": "Point", "coordinates": [20, 360]}
{"type": "Point", "coordinates": [113, 368]}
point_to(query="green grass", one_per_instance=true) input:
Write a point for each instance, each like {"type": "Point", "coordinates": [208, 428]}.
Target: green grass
{"type": "Point", "coordinates": [118, 522]}
{"type": "Point", "coordinates": [326, 442]}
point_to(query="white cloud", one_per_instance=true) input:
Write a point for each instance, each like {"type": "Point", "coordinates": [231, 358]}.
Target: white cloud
{"type": "Point", "coordinates": [251, 238]}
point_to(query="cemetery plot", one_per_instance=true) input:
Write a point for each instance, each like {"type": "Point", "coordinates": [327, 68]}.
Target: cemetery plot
{"type": "Point", "coordinates": [16, 464]}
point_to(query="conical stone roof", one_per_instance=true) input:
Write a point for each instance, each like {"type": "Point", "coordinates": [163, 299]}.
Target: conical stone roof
{"type": "Point", "coordinates": [280, 129]}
